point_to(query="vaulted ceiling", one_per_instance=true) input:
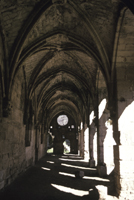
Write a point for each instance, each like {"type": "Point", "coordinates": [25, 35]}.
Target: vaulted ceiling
{"type": "Point", "coordinates": [61, 45]}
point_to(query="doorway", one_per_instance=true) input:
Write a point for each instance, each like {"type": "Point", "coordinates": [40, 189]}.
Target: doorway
{"type": "Point", "coordinates": [66, 145]}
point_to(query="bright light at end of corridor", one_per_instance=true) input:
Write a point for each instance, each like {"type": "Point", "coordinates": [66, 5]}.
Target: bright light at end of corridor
{"type": "Point", "coordinates": [70, 190]}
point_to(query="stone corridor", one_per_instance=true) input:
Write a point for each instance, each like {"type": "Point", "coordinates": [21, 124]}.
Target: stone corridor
{"type": "Point", "coordinates": [53, 178]}
{"type": "Point", "coordinates": [67, 83]}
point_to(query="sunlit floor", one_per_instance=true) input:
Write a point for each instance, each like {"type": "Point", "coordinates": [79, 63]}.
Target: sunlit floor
{"type": "Point", "coordinates": [53, 178]}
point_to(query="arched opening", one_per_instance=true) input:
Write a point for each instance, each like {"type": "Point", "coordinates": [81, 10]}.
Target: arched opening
{"type": "Point", "coordinates": [62, 135]}
{"type": "Point", "coordinates": [67, 146]}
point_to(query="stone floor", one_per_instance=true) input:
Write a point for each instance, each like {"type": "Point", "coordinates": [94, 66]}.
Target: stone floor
{"type": "Point", "coordinates": [52, 178]}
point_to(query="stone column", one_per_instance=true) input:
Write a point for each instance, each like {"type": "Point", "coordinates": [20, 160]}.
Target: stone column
{"type": "Point", "coordinates": [78, 142]}
{"type": "Point", "coordinates": [86, 142]}
{"type": "Point", "coordinates": [123, 151]}
{"type": "Point", "coordinates": [82, 142]}
{"type": "Point", "coordinates": [123, 121]}
{"type": "Point", "coordinates": [101, 133]}
{"type": "Point", "coordinates": [91, 136]}
{"type": "Point", "coordinates": [36, 144]}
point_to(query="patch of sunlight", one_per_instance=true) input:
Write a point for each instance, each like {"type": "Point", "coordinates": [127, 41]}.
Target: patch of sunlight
{"type": "Point", "coordinates": [126, 125]}
{"type": "Point", "coordinates": [110, 168]}
{"type": "Point", "coordinates": [66, 156]}
{"type": "Point", "coordinates": [86, 177]}
{"type": "Point", "coordinates": [66, 174]}
{"type": "Point", "coordinates": [70, 190]}
{"type": "Point", "coordinates": [81, 125]}
{"type": "Point", "coordinates": [71, 156]}
{"type": "Point", "coordinates": [66, 145]}
{"type": "Point", "coordinates": [86, 144]}
{"type": "Point", "coordinates": [96, 178]}
{"type": "Point", "coordinates": [44, 168]}
{"type": "Point", "coordinates": [78, 167]}
{"type": "Point", "coordinates": [91, 117]}
{"type": "Point", "coordinates": [71, 160]}
{"type": "Point", "coordinates": [50, 150]}
{"type": "Point", "coordinates": [51, 162]}
{"type": "Point", "coordinates": [102, 107]}
{"type": "Point", "coordinates": [108, 143]}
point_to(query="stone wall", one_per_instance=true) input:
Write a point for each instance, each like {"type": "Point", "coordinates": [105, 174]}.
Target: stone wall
{"type": "Point", "coordinates": [12, 138]}
{"type": "Point", "coordinates": [14, 156]}
{"type": "Point", "coordinates": [123, 150]}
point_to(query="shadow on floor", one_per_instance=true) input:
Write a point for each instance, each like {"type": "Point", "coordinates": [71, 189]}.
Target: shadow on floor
{"type": "Point", "coordinates": [52, 178]}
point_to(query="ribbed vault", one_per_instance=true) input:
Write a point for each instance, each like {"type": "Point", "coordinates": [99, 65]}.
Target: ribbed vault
{"type": "Point", "coordinates": [60, 52]}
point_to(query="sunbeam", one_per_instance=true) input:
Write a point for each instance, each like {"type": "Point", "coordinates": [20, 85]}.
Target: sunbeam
{"type": "Point", "coordinates": [70, 190]}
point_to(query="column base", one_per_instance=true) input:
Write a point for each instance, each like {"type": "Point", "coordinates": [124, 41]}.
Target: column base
{"type": "Point", "coordinates": [102, 170]}
{"type": "Point", "coordinates": [91, 163]}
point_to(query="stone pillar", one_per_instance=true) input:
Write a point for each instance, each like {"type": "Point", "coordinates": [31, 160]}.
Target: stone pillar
{"type": "Point", "coordinates": [123, 124]}
{"type": "Point", "coordinates": [91, 136]}
{"type": "Point", "coordinates": [82, 142]}
{"type": "Point", "coordinates": [101, 133]}
{"type": "Point", "coordinates": [78, 142]}
{"type": "Point", "coordinates": [58, 141]}
{"type": "Point", "coordinates": [36, 144]}
{"type": "Point", "coordinates": [86, 141]}
{"type": "Point", "coordinates": [123, 151]}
